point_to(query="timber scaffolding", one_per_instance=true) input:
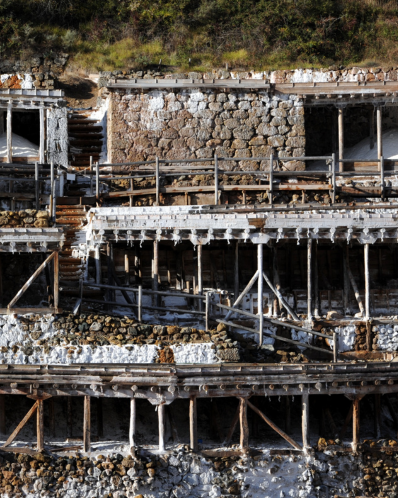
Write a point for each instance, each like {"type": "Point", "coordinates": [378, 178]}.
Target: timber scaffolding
{"type": "Point", "coordinates": [161, 385]}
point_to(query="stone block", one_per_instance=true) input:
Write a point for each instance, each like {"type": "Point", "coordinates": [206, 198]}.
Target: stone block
{"type": "Point", "coordinates": [244, 132]}
{"type": "Point", "coordinates": [240, 114]}
{"type": "Point", "coordinates": [267, 130]}
{"type": "Point", "coordinates": [242, 153]}
{"type": "Point", "coordinates": [295, 142]}
{"type": "Point", "coordinates": [257, 141]}
{"type": "Point", "coordinates": [239, 144]}
{"type": "Point", "coordinates": [204, 133]}
{"type": "Point", "coordinates": [215, 106]}
{"type": "Point", "coordinates": [187, 132]}
{"type": "Point", "coordinates": [279, 113]}
{"type": "Point", "coordinates": [276, 141]}
{"type": "Point", "coordinates": [221, 97]}
{"type": "Point", "coordinates": [278, 121]}
{"type": "Point", "coordinates": [204, 152]}
{"type": "Point", "coordinates": [177, 124]}
{"type": "Point", "coordinates": [261, 151]}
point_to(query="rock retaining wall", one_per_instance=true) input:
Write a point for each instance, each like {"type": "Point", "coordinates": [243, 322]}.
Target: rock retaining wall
{"type": "Point", "coordinates": [189, 124]}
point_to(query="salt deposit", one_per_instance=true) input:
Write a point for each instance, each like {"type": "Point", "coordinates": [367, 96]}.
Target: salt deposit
{"type": "Point", "coordinates": [362, 150]}
{"type": "Point", "coordinates": [21, 147]}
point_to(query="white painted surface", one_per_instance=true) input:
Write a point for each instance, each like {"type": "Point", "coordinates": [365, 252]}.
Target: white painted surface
{"type": "Point", "coordinates": [21, 147]}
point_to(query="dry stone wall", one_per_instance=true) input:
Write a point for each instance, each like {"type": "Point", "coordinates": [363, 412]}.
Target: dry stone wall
{"type": "Point", "coordinates": [191, 123]}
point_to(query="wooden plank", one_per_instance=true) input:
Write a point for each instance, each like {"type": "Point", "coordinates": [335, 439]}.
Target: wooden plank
{"type": "Point", "coordinates": [31, 280]}
{"type": "Point", "coordinates": [355, 423]}
{"type": "Point", "coordinates": [244, 426]}
{"type": "Point", "coordinates": [161, 421]}
{"type": "Point", "coordinates": [20, 426]}
{"type": "Point", "coordinates": [193, 424]}
{"type": "Point", "coordinates": [305, 418]}
{"type": "Point", "coordinates": [87, 424]}
{"type": "Point", "coordinates": [132, 427]}
{"type": "Point", "coordinates": [42, 135]}
{"type": "Point", "coordinates": [275, 427]}
{"type": "Point", "coordinates": [40, 425]}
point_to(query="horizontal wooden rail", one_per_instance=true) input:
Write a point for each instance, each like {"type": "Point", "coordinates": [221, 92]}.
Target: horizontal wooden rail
{"type": "Point", "coordinates": [147, 291]}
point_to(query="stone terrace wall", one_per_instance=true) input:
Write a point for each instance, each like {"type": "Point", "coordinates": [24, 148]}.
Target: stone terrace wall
{"type": "Point", "coordinates": [189, 124]}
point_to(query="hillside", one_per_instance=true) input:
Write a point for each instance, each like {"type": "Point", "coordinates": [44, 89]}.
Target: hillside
{"type": "Point", "coordinates": [200, 34]}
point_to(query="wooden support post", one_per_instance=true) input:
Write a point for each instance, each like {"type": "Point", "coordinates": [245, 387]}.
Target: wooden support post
{"type": "Point", "coordinates": [367, 281]}
{"type": "Point", "coordinates": [379, 134]}
{"type": "Point", "coordinates": [126, 268]}
{"type": "Point", "coordinates": [355, 424]}
{"type": "Point", "coordinates": [9, 132]}
{"type": "Point", "coordinates": [161, 419]}
{"type": "Point", "coordinates": [341, 137]}
{"type": "Point", "coordinates": [69, 417]}
{"type": "Point", "coordinates": [2, 414]}
{"type": "Point", "coordinates": [155, 280]}
{"type": "Point", "coordinates": [87, 424]}
{"type": "Point", "coordinates": [51, 416]}
{"type": "Point", "coordinates": [334, 177]}
{"type": "Point", "coordinates": [216, 180]}
{"type": "Point", "coordinates": [37, 186]}
{"type": "Point", "coordinates": [309, 279]}
{"type": "Point", "coordinates": [157, 181]}
{"type": "Point", "coordinates": [97, 258]}
{"type": "Point", "coordinates": [56, 280]}
{"type": "Point", "coordinates": [53, 193]}
{"type": "Point", "coordinates": [42, 135]}
{"type": "Point", "coordinates": [133, 417]}
{"type": "Point", "coordinates": [277, 303]}
{"type": "Point", "coordinates": [139, 303]}
{"type": "Point", "coordinates": [193, 424]}
{"type": "Point", "coordinates": [369, 341]}
{"type": "Point", "coordinates": [207, 311]}
{"type": "Point", "coordinates": [305, 416]}
{"type": "Point", "coordinates": [97, 185]}
{"type": "Point", "coordinates": [31, 280]}
{"type": "Point", "coordinates": [271, 179]}
{"type": "Point", "coordinates": [236, 271]}
{"type": "Point", "coordinates": [260, 282]}
{"type": "Point", "coordinates": [372, 128]}
{"type": "Point", "coordinates": [244, 426]}
{"type": "Point", "coordinates": [21, 424]}
{"type": "Point", "coordinates": [377, 416]}
{"type": "Point", "coordinates": [40, 425]}
{"type": "Point", "coordinates": [316, 282]}
{"type": "Point", "coordinates": [200, 275]}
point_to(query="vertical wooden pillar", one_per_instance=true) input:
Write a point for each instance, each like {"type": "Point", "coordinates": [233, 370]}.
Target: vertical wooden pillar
{"type": "Point", "coordinates": [126, 268]}
{"type": "Point", "coordinates": [346, 292]}
{"type": "Point", "coordinates": [56, 281]}
{"type": "Point", "coordinates": [305, 416]}
{"type": "Point", "coordinates": [109, 260]}
{"type": "Point", "coordinates": [309, 279]}
{"type": "Point", "coordinates": [200, 275]}
{"type": "Point", "coordinates": [260, 282]}
{"type": "Point", "coordinates": [244, 426]}
{"type": "Point", "coordinates": [341, 137]}
{"type": "Point", "coordinates": [97, 258]}
{"type": "Point", "coordinates": [69, 417]}
{"type": "Point", "coordinates": [236, 271]}
{"type": "Point", "coordinates": [379, 134]}
{"type": "Point", "coordinates": [40, 425]}
{"type": "Point", "coordinates": [372, 128]}
{"type": "Point", "coordinates": [87, 424]}
{"type": "Point", "coordinates": [355, 424]}
{"type": "Point", "coordinates": [377, 414]}
{"type": "Point", "coordinates": [193, 424]}
{"type": "Point", "coordinates": [2, 414]}
{"type": "Point", "coordinates": [161, 419]}
{"type": "Point", "coordinates": [133, 416]}
{"type": "Point", "coordinates": [215, 180]}
{"type": "Point", "coordinates": [316, 282]}
{"type": "Point", "coordinates": [42, 136]}
{"type": "Point", "coordinates": [367, 281]}
{"type": "Point", "coordinates": [155, 284]}
{"type": "Point", "coordinates": [277, 306]}
{"type": "Point", "coordinates": [9, 132]}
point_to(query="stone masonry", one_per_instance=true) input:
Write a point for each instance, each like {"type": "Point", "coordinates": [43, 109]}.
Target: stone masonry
{"type": "Point", "coordinates": [190, 123]}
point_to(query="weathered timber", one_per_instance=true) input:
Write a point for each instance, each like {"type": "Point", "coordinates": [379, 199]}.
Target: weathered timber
{"type": "Point", "coordinates": [132, 428]}
{"type": "Point", "coordinates": [274, 426]}
{"type": "Point", "coordinates": [193, 424]}
{"type": "Point", "coordinates": [87, 424]}
{"type": "Point", "coordinates": [305, 415]}
{"type": "Point", "coordinates": [355, 423]}
{"type": "Point", "coordinates": [40, 425]}
{"type": "Point", "coordinates": [161, 420]}
{"type": "Point", "coordinates": [21, 424]}
{"type": "Point", "coordinates": [244, 426]}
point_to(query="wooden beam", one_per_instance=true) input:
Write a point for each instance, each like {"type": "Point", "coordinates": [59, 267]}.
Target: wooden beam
{"type": "Point", "coordinates": [40, 425]}
{"type": "Point", "coordinates": [260, 293]}
{"type": "Point", "coordinates": [126, 268]}
{"type": "Point", "coordinates": [155, 277]}
{"type": "Point", "coordinates": [161, 420]}
{"type": "Point", "coordinates": [367, 281]}
{"type": "Point", "coordinates": [243, 293]}
{"type": "Point", "coordinates": [87, 424]}
{"type": "Point", "coordinates": [244, 426]}
{"type": "Point", "coordinates": [305, 418]}
{"type": "Point", "coordinates": [281, 298]}
{"type": "Point", "coordinates": [132, 428]}
{"type": "Point", "coordinates": [193, 424]}
{"type": "Point", "coordinates": [200, 274]}
{"type": "Point", "coordinates": [9, 133]}
{"type": "Point", "coordinates": [275, 427]}
{"type": "Point", "coordinates": [19, 427]}
{"type": "Point", "coordinates": [341, 137]}
{"type": "Point", "coordinates": [309, 279]}
{"type": "Point", "coordinates": [355, 424]}
{"type": "Point", "coordinates": [379, 134]}
{"type": "Point", "coordinates": [20, 293]}
{"type": "Point", "coordinates": [42, 135]}
{"type": "Point", "coordinates": [277, 306]}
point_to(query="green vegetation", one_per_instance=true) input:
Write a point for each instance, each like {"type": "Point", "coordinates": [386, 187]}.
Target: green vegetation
{"type": "Point", "coordinates": [201, 34]}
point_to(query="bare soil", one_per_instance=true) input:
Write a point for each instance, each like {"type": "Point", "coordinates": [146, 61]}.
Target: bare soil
{"type": "Point", "coordinates": [79, 92]}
